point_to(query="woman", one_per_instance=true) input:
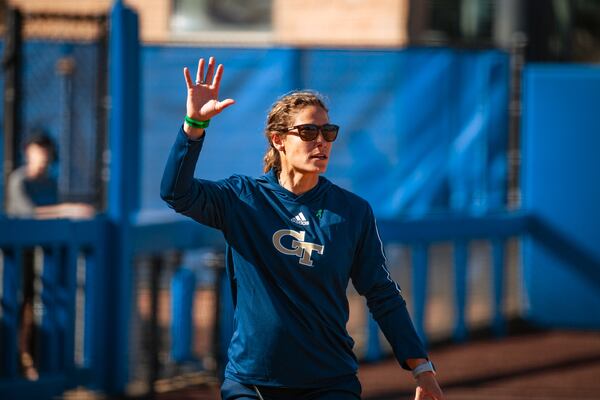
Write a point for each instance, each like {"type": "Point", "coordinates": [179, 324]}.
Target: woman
{"type": "Point", "coordinates": [294, 240]}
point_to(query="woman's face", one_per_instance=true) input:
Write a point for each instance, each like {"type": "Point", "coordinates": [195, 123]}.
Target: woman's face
{"type": "Point", "coordinates": [302, 156]}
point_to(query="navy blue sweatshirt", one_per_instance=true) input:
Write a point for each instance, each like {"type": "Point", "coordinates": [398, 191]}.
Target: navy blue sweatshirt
{"type": "Point", "coordinates": [290, 258]}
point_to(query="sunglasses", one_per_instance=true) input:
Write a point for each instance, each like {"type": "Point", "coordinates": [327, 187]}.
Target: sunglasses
{"type": "Point", "coordinates": [309, 132]}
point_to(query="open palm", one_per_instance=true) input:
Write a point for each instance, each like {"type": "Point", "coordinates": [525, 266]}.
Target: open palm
{"type": "Point", "coordinates": [203, 94]}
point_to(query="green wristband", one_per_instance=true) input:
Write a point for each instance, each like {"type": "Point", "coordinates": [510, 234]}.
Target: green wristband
{"type": "Point", "coordinates": [197, 124]}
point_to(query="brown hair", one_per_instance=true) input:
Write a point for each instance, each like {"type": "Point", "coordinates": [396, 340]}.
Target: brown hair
{"type": "Point", "coordinates": [280, 119]}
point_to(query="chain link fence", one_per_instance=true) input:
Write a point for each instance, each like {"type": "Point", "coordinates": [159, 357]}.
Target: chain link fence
{"type": "Point", "coordinates": [55, 76]}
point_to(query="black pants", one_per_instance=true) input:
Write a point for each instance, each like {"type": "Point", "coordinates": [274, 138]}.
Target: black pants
{"type": "Point", "coordinates": [348, 389]}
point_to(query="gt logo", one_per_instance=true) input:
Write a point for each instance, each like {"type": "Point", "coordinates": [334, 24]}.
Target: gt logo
{"type": "Point", "coordinates": [300, 248]}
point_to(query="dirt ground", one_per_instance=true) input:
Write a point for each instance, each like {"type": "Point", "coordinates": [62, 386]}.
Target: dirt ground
{"type": "Point", "coordinates": [534, 366]}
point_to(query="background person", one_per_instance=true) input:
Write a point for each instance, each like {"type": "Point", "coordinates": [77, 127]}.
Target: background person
{"type": "Point", "coordinates": [32, 192]}
{"type": "Point", "coordinates": [294, 240]}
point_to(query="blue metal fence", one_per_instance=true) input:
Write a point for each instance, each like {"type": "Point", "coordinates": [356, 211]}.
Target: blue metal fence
{"type": "Point", "coordinates": [66, 248]}
{"type": "Point", "coordinates": [70, 248]}
{"type": "Point", "coordinates": [65, 243]}
{"type": "Point", "coordinates": [421, 233]}
{"type": "Point", "coordinates": [107, 246]}
{"type": "Point", "coordinates": [123, 237]}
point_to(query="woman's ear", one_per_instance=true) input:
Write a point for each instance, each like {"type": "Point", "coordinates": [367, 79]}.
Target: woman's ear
{"type": "Point", "coordinates": [277, 141]}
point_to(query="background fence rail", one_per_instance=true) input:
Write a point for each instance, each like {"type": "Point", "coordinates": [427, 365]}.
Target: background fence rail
{"type": "Point", "coordinates": [63, 250]}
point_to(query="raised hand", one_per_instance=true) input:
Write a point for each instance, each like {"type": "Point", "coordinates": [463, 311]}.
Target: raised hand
{"type": "Point", "coordinates": [203, 94]}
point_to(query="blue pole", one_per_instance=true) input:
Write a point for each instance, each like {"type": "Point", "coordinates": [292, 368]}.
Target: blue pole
{"type": "Point", "coordinates": [419, 287]}
{"type": "Point", "coordinates": [183, 287]}
{"type": "Point", "coordinates": [96, 316]}
{"type": "Point", "coordinates": [9, 317]}
{"type": "Point", "coordinates": [123, 196]}
{"type": "Point", "coordinates": [49, 352]}
{"type": "Point", "coordinates": [460, 289]}
{"type": "Point", "coordinates": [68, 300]}
{"type": "Point", "coordinates": [498, 324]}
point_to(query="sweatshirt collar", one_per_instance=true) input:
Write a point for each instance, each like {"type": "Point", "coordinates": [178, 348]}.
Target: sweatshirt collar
{"type": "Point", "coordinates": [270, 181]}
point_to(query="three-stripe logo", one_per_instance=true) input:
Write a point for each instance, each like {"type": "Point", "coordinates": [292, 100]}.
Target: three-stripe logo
{"type": "Point", "coordinates": [300, 219]}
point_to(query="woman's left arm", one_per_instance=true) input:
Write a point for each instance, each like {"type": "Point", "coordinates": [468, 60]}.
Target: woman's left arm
{"type": "Point", "coordinates": [372, 279]}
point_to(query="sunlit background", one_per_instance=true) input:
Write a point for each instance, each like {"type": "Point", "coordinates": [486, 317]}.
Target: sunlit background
{"type": "Point", "coordinates": [469, 125]}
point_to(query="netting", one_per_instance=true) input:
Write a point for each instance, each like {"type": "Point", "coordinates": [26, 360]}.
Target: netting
{"type": "Point", "coordinates": [63, 93]}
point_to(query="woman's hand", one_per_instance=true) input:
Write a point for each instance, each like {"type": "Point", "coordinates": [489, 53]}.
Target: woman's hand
{"type": "Point", "coordinates": [203, 95]}
{"type": "Point", "coordinates": [428, 388]}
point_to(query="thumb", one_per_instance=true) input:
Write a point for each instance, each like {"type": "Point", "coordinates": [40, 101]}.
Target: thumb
{"type": "Point", "coordinates": [419, 394]}
{"type": "Point", "coordinates": [221, 105]}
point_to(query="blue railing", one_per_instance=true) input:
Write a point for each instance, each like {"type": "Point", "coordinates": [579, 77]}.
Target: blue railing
{"type": "Point", "coordinates": [74, 283]}
{"type": "Point", "coordinates": [70, 259]}
{"type": "Point", "coordinates": [66, 244]}
{"type": "Point", "coordinates": [420, 234]}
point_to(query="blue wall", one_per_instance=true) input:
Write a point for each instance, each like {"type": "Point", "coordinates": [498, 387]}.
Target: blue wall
{"type": "Point", "coordinates": [561, 188]}
{"type": "Point", "coordinates": [429, 124]}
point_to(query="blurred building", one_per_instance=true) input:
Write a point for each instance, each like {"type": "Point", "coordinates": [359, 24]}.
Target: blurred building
{"type": "Point", "coordinates": [254, 22]}
{"type": "Point", "coordinates": [560, 30]}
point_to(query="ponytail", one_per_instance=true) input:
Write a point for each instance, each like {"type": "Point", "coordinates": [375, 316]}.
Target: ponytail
{"type": "Point", "coordinates": [272, 160]}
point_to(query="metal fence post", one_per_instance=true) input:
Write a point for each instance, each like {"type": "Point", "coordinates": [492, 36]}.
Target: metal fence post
{"type": "Point", "coordinates": [419, 287]}
{"type": "Point", "coordinates": [9, 321]}
{"type": "Point", "coordinates": [123, 196]}
{"type": "Point", "coordinates": [498, 322]}
{"type": "Point", "coordinates": [156, 266]}
{"type": "Point", "coordinates": [11, 65]}
{"type": "Point", "coordinates": [460, 290]}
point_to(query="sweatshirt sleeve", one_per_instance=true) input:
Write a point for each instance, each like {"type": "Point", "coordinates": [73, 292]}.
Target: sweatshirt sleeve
{"type": "Point", "coordinates": [202, 200]}
{"type": "Point", "coordinates": [372, 279]}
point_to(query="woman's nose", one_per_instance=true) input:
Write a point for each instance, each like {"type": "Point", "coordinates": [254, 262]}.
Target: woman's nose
{"type": "Point", "coordinates": [320, 139]}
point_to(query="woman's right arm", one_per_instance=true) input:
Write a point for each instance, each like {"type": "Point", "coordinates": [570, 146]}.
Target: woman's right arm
{"type": "Point", "coordinates": [178, 187]}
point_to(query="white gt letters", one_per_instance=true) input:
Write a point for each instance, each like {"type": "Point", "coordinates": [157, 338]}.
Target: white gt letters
{"type": "Point", "coordinates": [300, 248]}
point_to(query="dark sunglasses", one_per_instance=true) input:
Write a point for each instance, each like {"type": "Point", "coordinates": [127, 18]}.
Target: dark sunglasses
{"type": "Point", "coordinates": [308, 132]}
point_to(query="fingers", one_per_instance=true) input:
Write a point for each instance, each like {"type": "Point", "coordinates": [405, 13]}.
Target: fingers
{"type": "Point", "coordinates": [210, 71]}
{"type": "Point", "coordinates": [200, 71]}
{"type": "Point", "coordinates": [217, 80]}
{"type": "Point", "coordinates": [211, 78]}
{"type": "Point", "coordinates": [188, 77]}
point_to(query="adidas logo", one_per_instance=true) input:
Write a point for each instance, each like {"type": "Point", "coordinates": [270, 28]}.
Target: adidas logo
{"type": "Point", "coordinates": [300, 219]}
